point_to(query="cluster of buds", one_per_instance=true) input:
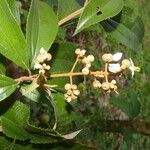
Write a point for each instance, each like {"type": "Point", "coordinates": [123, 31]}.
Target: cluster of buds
{"type": "Point", "coordinates": [40, 61]}
{"type": "Point", "coordinates": [86, 60]}
{"type": "Point", "coordinates": [115, 66]}
{"type": "Point", "coordinates": [72, 92]}
{"type": "Point", "coordinates": [106, 86]}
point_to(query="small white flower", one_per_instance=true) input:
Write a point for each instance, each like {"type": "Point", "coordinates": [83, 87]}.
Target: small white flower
{"type": "Point", "coordinates": [114, 68]}
{"type": "Point", "coordinates": [133, 68]}
{"type": "Point", "coordinates": [116, 57]}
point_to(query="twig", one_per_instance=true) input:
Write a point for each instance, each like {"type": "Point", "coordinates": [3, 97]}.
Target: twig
{"type": "Point", "coordinates": [72, 15]}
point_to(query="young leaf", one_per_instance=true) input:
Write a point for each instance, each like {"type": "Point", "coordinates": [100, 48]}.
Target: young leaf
{"type": "Point", "coordinates": [12, 41]}
{"type": "Point", "coordinates": [7, 87]}
{"type": "Point", "coordinates": [41, 28]}
{"type": "Point", "coordinates": [62, 11]}
{"type": "Point", "coordinates": [97, 11]}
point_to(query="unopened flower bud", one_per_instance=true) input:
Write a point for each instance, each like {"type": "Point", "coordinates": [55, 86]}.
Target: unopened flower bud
{"type": "Point", "coordinates": [123, 67]}
{"type": "Point", "coordinates": [76, 92]}
{"type": "Point", "coordinates": [85, 71]}
{"type": "Point", "coordinates": [96, 84]}
{"type": "Point", "coordinates": [105, 86]}
{"type": "Point", "coordinates": [67, 86]}
{"type": "Point", "coordinates": [113, 82]}
{"type": "Point", "coordinates": [107, 57]}
{"type": "Point", "coordinates": [90, 58]}
{"type": "Point", "coordinates": [74, 87]}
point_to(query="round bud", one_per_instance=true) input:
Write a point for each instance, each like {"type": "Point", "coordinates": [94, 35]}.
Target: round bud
{"type": "Point", "coordinates": [48, 56]}
{"type": "Point", "coordinates": [37, 66]}
{"type": "Point", "coordinates": [67, 86]}
{"type": "Point", "coordinates": [85, 71]}
{"type": "Point", "coordinates": [74, 87]}
{"type": "Point", "coordinates": [112, 86]}
{"type": "Point", "coordinates": [47, 67]}
{"type": "Point", "coordinates": [77, 51]}
{"type": "Point", "coordinates": [76, 92]}
{"type": "Point", "coordinates": [107, 57]}
{"type": "Point", "coordinates": [113, 82]}
{"type": "Point", "coordinates": [42, 71]}
{"type": "Point", "coordinates": [105, 86]}
{"type": "Point", "coordinates": [96, 84]}
{"type": "Point", "coordinates": [126, 62]}
{"type": "Point", "coordinates": [90, 58]}
{"type": "Point", "coordinates": [88, 65]}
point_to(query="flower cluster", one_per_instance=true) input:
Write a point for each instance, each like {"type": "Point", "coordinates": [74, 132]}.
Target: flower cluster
{"type": "Point", "coordinates": [106, 86]}
{"type": "Point", "coordinates": [72, 92]}
{"type": "Point", "coordinates": [115, 66]}
{"type": "Point", "coordinates": [40, 61]}
{"type": "Point", "coordinates": [86, 60]}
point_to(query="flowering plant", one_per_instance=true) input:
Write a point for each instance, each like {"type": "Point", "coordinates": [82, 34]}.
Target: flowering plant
{"type": "Point", "coordinates": [36, 96]}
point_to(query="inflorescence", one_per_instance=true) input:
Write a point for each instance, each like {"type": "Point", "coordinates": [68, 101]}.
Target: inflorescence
{"type": "Point", "coordinates": [103, 79]}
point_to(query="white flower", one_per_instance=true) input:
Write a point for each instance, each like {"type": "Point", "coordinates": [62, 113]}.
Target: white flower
{"type": "Point", "coordinates": [116, 57]}
{"type": "Point", "coordinates": [114, 68]}
{"type": "Point", "coordinates": [133, 68]}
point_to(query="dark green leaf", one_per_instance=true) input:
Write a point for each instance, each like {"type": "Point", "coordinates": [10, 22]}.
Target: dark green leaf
{"type": "Point", "coordinates": [7, 87]}
{"type": "Point", "coordinates": [41, 28]}
{"type": "Point", "coordinates": [97, 11]}
{"type": "Point", "coordinates": [14, 120]}
{"type": "Point", "coordinates": [63, 11]}
{"type": "Point", "coordinates": [12, 41]}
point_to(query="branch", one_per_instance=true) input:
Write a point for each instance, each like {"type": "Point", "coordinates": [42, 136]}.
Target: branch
{"type": "Point", "coordinates": [73, 15]}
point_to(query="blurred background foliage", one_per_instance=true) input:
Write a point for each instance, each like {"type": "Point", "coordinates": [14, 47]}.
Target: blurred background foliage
{"type": "Point", "coordinates": [109, 122]}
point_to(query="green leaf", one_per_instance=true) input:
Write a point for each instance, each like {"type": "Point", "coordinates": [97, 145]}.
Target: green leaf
{"type": "Point", "coordinates": [14, 9]}
{"type": "Point", "coordinates": [98, 10]}
{"type": "Point", "coordinates": [64, 11]}
{"type": "Point", "coordinates": [14, 120]}
{"type": "Point", "coordinates": [12, 41]}
{"type": "Point", "coordinates": [63, 114]}
{"type": "Point", "coordinates": [41, 28]}
{"type": "Point", "coordinates": [129, 105]}
{"type": "Point", "coordinates": [2, 65]}
{"type": "Point", "coordinates": [7, 87]}
{"type": "Point", "coordinates": [15, 124]}
{"type": "Point", "coordinates": [130, 36]}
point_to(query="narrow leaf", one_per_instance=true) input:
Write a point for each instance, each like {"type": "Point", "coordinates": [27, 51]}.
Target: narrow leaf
{"type": "Point", "coordinates": [12, 41]}
{"type": "Point", "coordinates": [98, 10]}
{"type": "Point", "coordinates": [41, 28]}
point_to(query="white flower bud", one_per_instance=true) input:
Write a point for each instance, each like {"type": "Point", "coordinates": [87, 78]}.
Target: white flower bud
{"type": "Point", "coordinates": [42, 51]}
{"type": "Point", "coordinates": [123, 67]}
{"type": "Point", "coordinates": [113, 82]}
{"type": "Point", "coordinates": [67, 86]}
{"type": "Point", "coordinates": [96, 84]}
{"type": "Point", "coordinates": [88, 65]}
{"type": "Point", "coordinates": [74, 87]}
{"type": "Point", "coordinates": [105, 86]}
{"type": "Point", "coordinates": [78, 51]}
{"type": "Point", "coordinates": [107, 57]}
{"type": "Point", "coordinates": [90, 58]}
{"type": "Point", "coordinates": [47, 67]}
{"type": "Point", "coordinates": [85, 71]}
{"type": "Point", "coordinates": [48, 56]}
{"type": "Point", "coordinates": [76, 92]}
{"type": "Point", "coordinates": [41, 58]}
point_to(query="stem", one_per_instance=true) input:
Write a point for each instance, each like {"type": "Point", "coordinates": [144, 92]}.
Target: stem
{"type": "Point", "coordinates": [106, 72]}
{"type": "Point", "coordinates": [73, 15]}
{"type": "Point", "coordinates": [77, 59]}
